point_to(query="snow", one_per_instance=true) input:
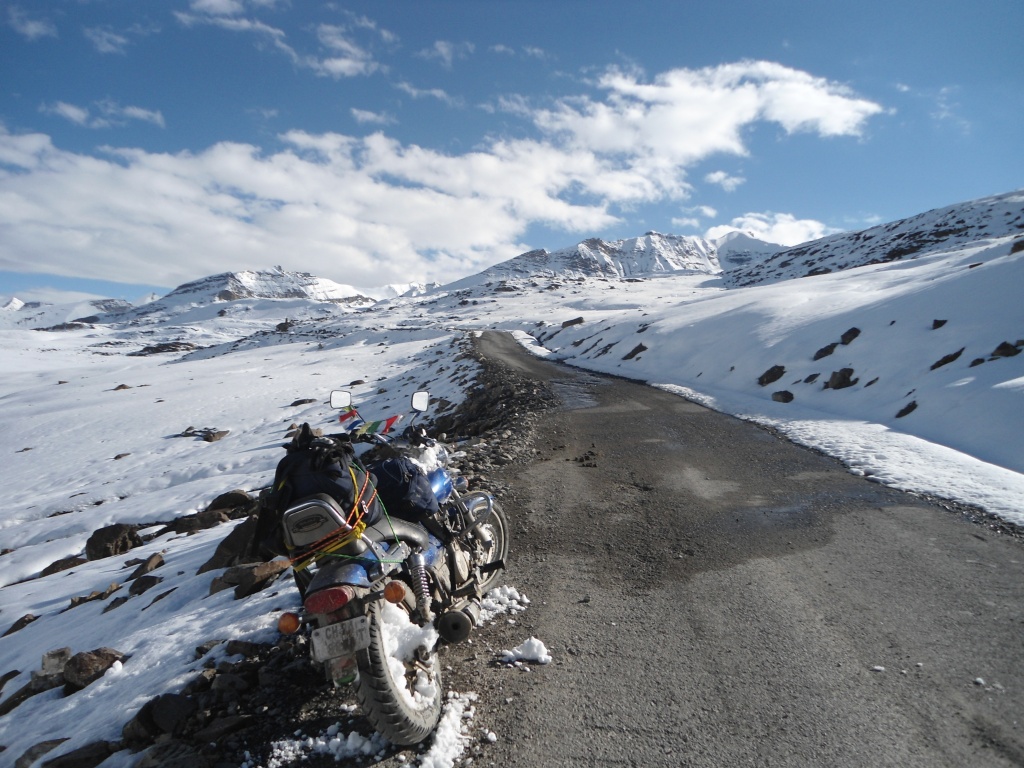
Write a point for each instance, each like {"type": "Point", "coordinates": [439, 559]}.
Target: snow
{"type": "Point", "coordinates": [530, 650]}
{"type": "Point", "coordinates": [81, 451]}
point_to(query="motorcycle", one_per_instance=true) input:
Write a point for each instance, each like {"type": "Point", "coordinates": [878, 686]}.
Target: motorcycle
{"type": "Point", "coordinates": [382, 597]}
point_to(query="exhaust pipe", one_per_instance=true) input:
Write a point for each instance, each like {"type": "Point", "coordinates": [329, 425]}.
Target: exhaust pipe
{"type": "Point", "coordinates": [455, 625]}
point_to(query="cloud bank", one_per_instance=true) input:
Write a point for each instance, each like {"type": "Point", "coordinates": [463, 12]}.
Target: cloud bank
{"type": "Point", "coordinates": [371, 210]}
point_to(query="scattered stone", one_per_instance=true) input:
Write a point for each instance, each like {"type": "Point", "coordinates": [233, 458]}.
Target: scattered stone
{"type": "Point", "coordinates": [1005, 349]}
{"type": "Point", "coordinates": [873, 381]}
{"type": "Point", "coordinates": [207, 434]}
{"type": "Point", "coordinates": [214, 436]}
{"type": "Point", "coordinates": [976, 361]}
{"type": "Point", "coordinates": [163, 348]}
{"type": "Point", "coordinates": [841, 379]}
{"type": "Point", "coordinates": [34, 753]}
{"type": "Point", "coordinates": [304, 401]}
{"type": "Point", "coordinates": [88, 756]}
{"type": "Point", "coordinates": [356, 383]}
{"type": "Point", "coordinates": [121, 456]}
{"type": "Point", "coordinates": [170, 711]}
{"type": "Point", "coordinates": [111, 540]}
{"type": "Point", "coordinates": [221, 727]}
{"type": "Point", "coordinates": [812, 378]}
{"type": "Point", "coordinates": [250, 579]}
{"type": "Point", "coordinates": [117, 602]}
{"type": "Point", "coordinates": [93, 596]}
{"type": "Point", "coordinates": [936, 324]}
{"type": "Point", "coordinates": [173, 754]}
{"type": "Point", "coordinates": [235, 548]}
{"type": "Point", "coordinates": [906, 409]}
{"type": "Point", "coordinates": [773, 374]}
{"type": "Point", "coordinates": [574, 321]}
{"type": "Point", "coordinates": [88, 666]}
{"type": "Point", "coordinates": [9, 675]}
{"type": "Point", "coordinates": [635, 351]}
{"type": "Point", "coordinates": [948, 358]}
{"type": "Point", "coordinates": [825, 351]}
{"type": "Point", "coordinates": [849, 336]}
{"type": "Point", "coordinates": [153, 562]}
{"type": "Point", "coordinates": [783, 396]}
{"type": "Point", "coordinates": [143, 584]}
{"type": "Point", "coordinates": [120, 387]}
{"type": "Point", "coordinates": [230, 500]}
{"type": "Point", "coordinates": [64, 564]}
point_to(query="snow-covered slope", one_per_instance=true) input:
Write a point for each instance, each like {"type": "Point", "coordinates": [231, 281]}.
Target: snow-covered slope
{"type": "Point", "coordinates": [940, 229]}
{"type": "Point", "coordinates": [908, 369]}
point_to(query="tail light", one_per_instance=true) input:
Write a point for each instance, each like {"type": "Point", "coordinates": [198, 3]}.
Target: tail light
{"type": "Point", "coordinates": [329, 600]}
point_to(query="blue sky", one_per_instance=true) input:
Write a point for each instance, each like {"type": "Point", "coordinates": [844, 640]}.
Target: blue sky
{"type": "Point", "coordinates": [143, 145]}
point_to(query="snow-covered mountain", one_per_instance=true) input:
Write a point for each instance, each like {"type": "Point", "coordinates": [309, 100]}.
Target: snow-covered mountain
{"type": "Point", "coordinates": [635, 257]}
{"type": "Point", "coordinates": [738, 249]}
{"type": "Point", "coordinates": [34, 314]}
{"type": "Point", "coordinates": [940, 229]}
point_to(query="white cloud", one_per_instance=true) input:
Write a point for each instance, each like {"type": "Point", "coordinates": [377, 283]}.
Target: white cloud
{"type": "Point", "coordinates": [106, 40]}
{"type": "Point", "coordinates": [218, 7]}
{"type": "Point", "coordinates": [781, 228]}
{"type": "Point", "coordinates": [110, 114]}
{"type": "Point", "coordinates": [447, 52]}
{"type": "Point", "coordinates": [685, 115]}
{"type": "Point", "coordinates": [364, 117]}
{"type": "Point", "coordinates": [33, 29]}
{"type": "Point", "coordinates": [347, 58]}
{"type": "Point", "coordinates": [724, 180]}
{"type": "Point", "coordinates": [227, 22]}
{"type": "Point", "coordinates": [685, 223]}
{"type": "Point", "coordinates": [433, 93]}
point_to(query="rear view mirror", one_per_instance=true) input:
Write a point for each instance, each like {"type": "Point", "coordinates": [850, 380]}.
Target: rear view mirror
{"type": "Point", "coordinates": [341, 398]}
{"type": "Point", "coordinates": [420, 401]}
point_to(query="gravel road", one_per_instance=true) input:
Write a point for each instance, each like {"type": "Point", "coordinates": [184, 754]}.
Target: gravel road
{"type": "Point", "coordinates": [713, 595]}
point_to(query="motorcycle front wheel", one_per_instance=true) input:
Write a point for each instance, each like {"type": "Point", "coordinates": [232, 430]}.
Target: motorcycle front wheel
{"type": "Point", "coordinates": [399, 677]}
{"type": "Point", "coordinates": [492, 544]}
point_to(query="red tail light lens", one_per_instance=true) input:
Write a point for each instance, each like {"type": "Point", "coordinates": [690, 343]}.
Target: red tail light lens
{"type": "Point", "coordinates": [329, 600]}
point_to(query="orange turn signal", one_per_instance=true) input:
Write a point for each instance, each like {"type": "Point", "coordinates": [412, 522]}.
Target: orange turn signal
{"type": "Point", "coordinates": [288, 624]}
{"type": "Point", "coordinates": [394, 592]}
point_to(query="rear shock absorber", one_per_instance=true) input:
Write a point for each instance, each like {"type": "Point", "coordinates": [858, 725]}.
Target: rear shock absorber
{"type": "Point", "coordinates": [421, 586]}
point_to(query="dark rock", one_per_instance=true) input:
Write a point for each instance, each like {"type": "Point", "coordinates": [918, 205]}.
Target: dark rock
{"type": "Point", "coordinates": [121, 387]}
{"type": "Point", "coordinates": [118, 458]}
{"type": "Point", "coordinates": [170, 711]}
{"type": "Point", "coordinates": [873, 381]}
{"type": "Point", "coordinates": [635, 351]}
{"type": "Point", "coordinates": [88, 666]}
{"type": "Point", "coordinates": [244, 647]}
{"type": "Point", "coordinates": [304, 401]}
{"type": "Point", "coordinates": [230, 683]}
{"type": "Point", "coordinates": [908, 408]}
{"type": "Point", "coordinates": [784, 396]}
{"type": "Point", "coordinates": [88, 756]}
{"type": "Point", "coordinates": [976, 361]}
{"type": "Point", "coordinates": [117, 602]}
{"type": "Point", "coordinates": [812, 378]}
{"type": "Point", "coordinates": [235, 548]}
{"type": "Point", "coordinates": [1005, 349]}
{"type": "Point", "coordinates": [773, 374]}
{"type": "Point", "coordinates": [221, 727]}
{"type": "Point", "coordinates": [356, 382]}
{"type": "Point", "coordinates": [849, 335]}
{"type": "Point", "coordinates": [948, 358]}
{"type": "Point", "coordinates": [230, 500]}
{"type": "Point", "coordinates": [173, 754]}
{"type": "Point", "coordinates": [64, 564]}
{"type": "Point", "coordinates": [936, 324]}
{"type": "Point", "coordinates": [9, 675]}
{"type": "Point", "coordinates": [111, 540]}
{"type": "Point", "coordinates": [34, 753]}
{"type": "Point", "coordinates": [143, 583]}
{"type": "Point", "coordinates": [20, 624]}
{"type": "Point", "coordinates": [825, 351]}
{"type": "Point", "coordinates": [574, 321]}
{"type": "Point", "coordinates": [93, 596]}
{"type": "Point", "coordinates": [250, 579]}
{"type": "Point", "coordinates": [151, 564]}
{"type": "Point", "coordinates": [214, 436]}
{"type": "Point", "coordinates": [841, 379]}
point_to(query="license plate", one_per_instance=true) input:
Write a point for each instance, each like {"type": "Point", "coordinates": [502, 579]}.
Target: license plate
{"type": "Point", "coordinates": [341, 639]}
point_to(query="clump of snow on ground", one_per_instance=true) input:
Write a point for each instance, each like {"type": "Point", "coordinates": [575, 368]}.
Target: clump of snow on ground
{"type": "Point", "coordinates": [501, 600]}
{"type": "Point", "coordinates": [531, 650]}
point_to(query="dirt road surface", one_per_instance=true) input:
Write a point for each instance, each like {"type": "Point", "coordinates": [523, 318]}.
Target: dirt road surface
{"type": "Point", "coordinates": [712, 595]}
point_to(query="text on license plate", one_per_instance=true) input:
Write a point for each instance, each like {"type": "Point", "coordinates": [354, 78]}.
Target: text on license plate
{"type": "Point", "coordinates": [342, 639]}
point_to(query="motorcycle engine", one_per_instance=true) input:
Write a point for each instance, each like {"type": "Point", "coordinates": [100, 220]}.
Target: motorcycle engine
{"type": "Point", "coordinates": [459, 561]}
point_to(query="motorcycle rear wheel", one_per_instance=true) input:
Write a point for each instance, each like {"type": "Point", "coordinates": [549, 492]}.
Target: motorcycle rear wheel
{"type": "Point", "coordinates": [497, 528]}
{"type": "Point", "coordinates": [400, 699]}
